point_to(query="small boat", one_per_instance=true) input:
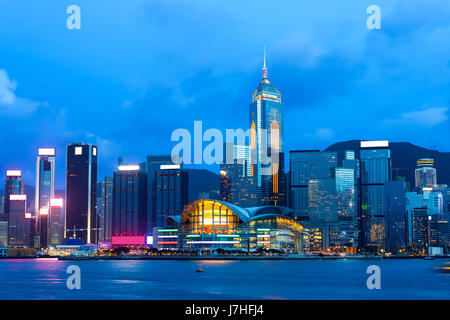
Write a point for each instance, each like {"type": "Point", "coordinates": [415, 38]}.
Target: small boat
{"type": "Point", "coordinates": [200, 270]}
{"type": "Point", "coordinates": [428, 258]}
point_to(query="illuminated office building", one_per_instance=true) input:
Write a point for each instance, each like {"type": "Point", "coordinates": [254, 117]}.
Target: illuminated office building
{"type": "Point", "coordinates": [425, 174]}
{"type": "Point", "coordinates": [17, 220]}
{"type": "Point", "coordinates": [56, 222]}
{"type": "Point", "coordinates": [419, 233]}
{"type": "Point", "coordinates": [439, 230]}
{"type": "Point", "coordinates": [153, 164]}
{"type": "Point", "coordinates": [171, 192]}
{"type": "Point", "coordinates": [129, 202]}
{"type": "Point", "coordinates": [375, 157]}
{"type": "Point", "coordinates": [44, 188]}
{"type": "Point", "coordinates": [225, 185]}
{"type": "Point", "coordinates": [238, 186]}
{"type": "Point", "coordinates": [3, 234]}
{"type": "Point", "coordinates": [395, 215]}
{"type": "Point", "coordinates": [266, 143]}
{"type": "Point", "coordinates": [104, 206]}
{"type": "Point", "coordinates": [81, 192]}
{"type": "Point", "coordinates": [323, 195]}
{"type": "Point", "coordinates": [419, 206]}
{"type": "Point", "coordinates": [30, 233]}
{"type": "Point", "coordinates": [13, 186]}
{"type": "Point", "coordinates": [42, 240]}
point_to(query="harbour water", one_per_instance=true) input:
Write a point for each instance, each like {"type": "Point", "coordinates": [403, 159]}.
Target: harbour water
{"type": "Point", "coordinates": [179, 279]}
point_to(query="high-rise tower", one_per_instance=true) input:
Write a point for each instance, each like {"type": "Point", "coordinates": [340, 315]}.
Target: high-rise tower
{"type": "Point", "coordinates": [376, 172]}
{"type": "Point", "coordinates": [13, 185]}
{"type": "Point", "coordinates": [425, 173]}
{"type": "Point", "coordinates": [45, 189]}
{"type": "Point", "coordinates": [81, 192]}
{"type": "Point", "coordinates": [266, 143]}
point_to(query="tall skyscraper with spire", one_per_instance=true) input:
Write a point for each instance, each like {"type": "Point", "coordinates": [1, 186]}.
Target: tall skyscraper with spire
{"type": "Point", "coordinates": [267, 125]}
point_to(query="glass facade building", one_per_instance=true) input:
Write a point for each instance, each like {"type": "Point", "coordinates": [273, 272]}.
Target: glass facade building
{"type": "Point", "coordinates": [171, 192]}
{"type": "Point", "coordinates": [425, 174]}
{"type": "Point", "coordinates": [323, 195]}
{"type": "Point", "coordinates": [266, 143]}
{"type": "Point", "coordinates": [375, 172]}
{"type": "Point", "coordinates": [104, 205]}
{"type": "Point", "coordinates": [56, 222]}
{"type": "Point", "coordinates": [17, 220]}
{"type": "Point", "coordinates": [153, 165]}
{"type": "Point", "coordinates": [44, 189]}
{"type": "Point", "coordinates": [237, 184]}
{"type": "Point", "coordinates": [129, 203]}
{"type": "Point", "coordinates": [210, 225]}
{"type": "Point", "coordinates": [13, 185]}
{"type": "Point", "coordinates": [395, 217]}
{"type": "Point", "coordinates": [81, 221]}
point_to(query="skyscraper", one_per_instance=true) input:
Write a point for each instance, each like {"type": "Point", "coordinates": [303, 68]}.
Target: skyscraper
{"type": "Point", "coordinates": [225, 185]}
{"type": "Point", "coordinates": [419, 206]}
{"type": "Point", "coordinates": [323, 195]}
{"type": "Point", "coordinates": [56, 222]}
{"type": "Point", "coordinates": [17, 220]}
{"type": "Point", "coordinates": [171, 192]}
{"type": "Point", "coordinates": [129, 205]}
{"type": "Point", "coordinates": [45, 187]}
{"type": "Point", "coordinates": [425, 174]}
{"type": "Point", "coordinates": [395, 217]}
{"type": "Point", "coordinates": [375, 172]}
{"type": "Point", "coordinates": [42, 240]}
{"type": "Point", "coordinates": [81, 192]}
{"type": "Point", "coordinates": [3, 233]}
{"type": "Point", "coordinates": [13, 185]}
{"type": "Point", "coordinates": [266, 143]}
{"type": "Point", "coordinates": [152, 167]}
{"type": "Point", "coordinates": [237, 184]}
{"type": "Point", "coordinates": [104, 205]}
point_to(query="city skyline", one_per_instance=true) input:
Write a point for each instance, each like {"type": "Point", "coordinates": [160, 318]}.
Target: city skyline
{"type": "Point", "coordinates": [79, 90]}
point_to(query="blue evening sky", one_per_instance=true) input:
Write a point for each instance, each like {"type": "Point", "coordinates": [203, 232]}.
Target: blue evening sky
{"type": "Point", "coordinates": [139, 69]}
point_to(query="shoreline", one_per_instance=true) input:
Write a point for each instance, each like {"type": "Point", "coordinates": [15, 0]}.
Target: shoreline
{"type": "Point", "coordinates": [290, 257]}
{"type": "Point", "coordinates": [217, 258]}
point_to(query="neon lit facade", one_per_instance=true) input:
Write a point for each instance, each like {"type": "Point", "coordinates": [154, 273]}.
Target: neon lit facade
{"type": "Point", "coordinates": [211, 224]}
{"type": "Point", "coordinates": [17, 220]}
{"type": "Point", "coordinates": [13, 186]}
{"type": "Point", "coordinates": [129, 204]}
{"type": "Point", "coordinates": [56, 223]}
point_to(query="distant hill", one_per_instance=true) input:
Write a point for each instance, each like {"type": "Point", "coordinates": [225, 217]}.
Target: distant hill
{"type": "Point", "coordinates": [404, 157]}
{"type": "Point", "coordinates": [202, 181]}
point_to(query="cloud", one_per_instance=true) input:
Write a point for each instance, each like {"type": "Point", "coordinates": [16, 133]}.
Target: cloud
{"type": "Point", "coordinates": [428, 117]}
{"type": "Point", "coordinates": [321, 134]}
{"type": "Point", "coordinates": [108, 148]}
{"type": "Point", "coordinates": [300, 49]}
{"type": "Point", "coordinates": [9, 102]}
{"type": "Point", "coordinates": [324, 133]}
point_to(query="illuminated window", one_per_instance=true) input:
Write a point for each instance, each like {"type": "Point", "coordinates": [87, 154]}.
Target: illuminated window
{"type": "Point", "coordinates": [210, 217]}
{"type": "Point", "coordinates": [78, 151]}
{"type": "Point", "coordinates": [94, 151]}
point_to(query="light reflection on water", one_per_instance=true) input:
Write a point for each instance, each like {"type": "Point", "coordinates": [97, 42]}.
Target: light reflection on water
{"type": "Point", "coordinates": [223, 279]}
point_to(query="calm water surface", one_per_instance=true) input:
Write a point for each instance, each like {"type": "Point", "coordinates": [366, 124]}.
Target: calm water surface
{"type": "Point", "coordinates": [315, 279]}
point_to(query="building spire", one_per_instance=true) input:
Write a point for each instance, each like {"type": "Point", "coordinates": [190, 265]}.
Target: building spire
{"type": "Point", "coordinates": [264, 68]}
